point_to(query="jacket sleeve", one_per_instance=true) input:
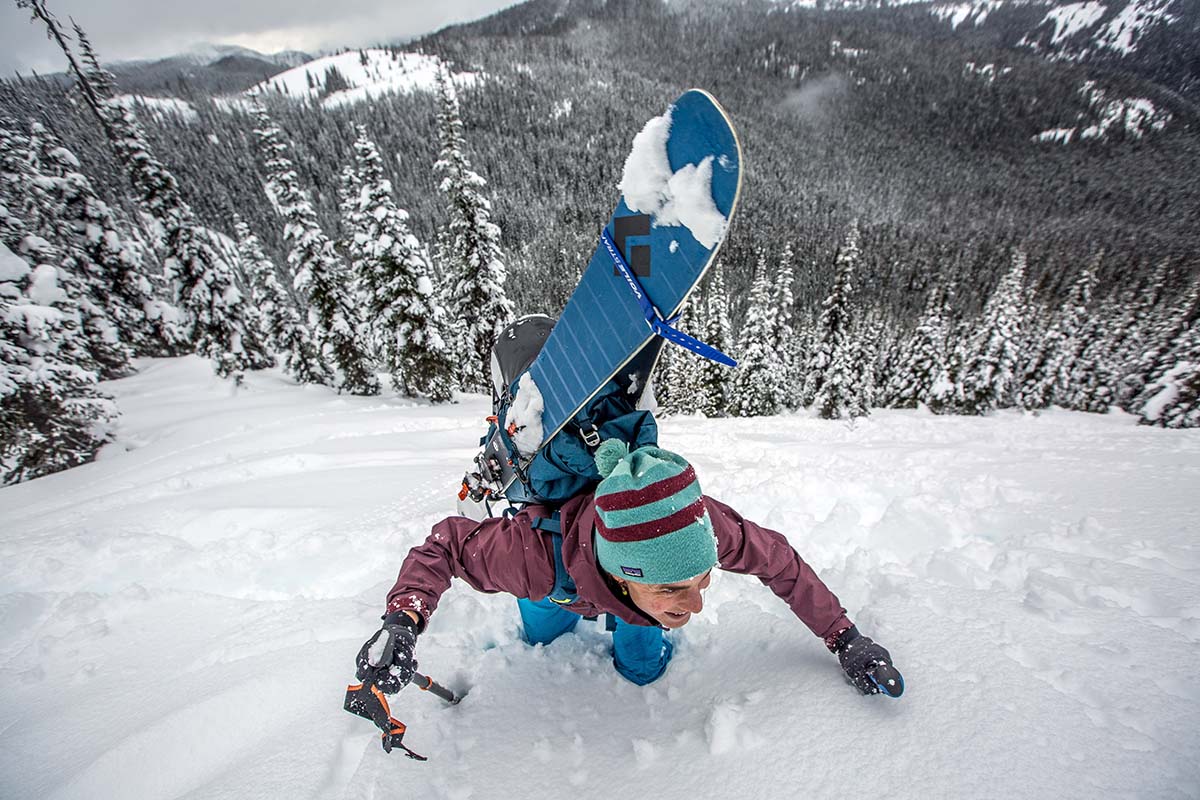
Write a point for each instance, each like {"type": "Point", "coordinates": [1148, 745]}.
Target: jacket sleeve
{"type": "Point", "coordinates": [750, 549]}
{"type": "Point", "coordinates": [496, 555]}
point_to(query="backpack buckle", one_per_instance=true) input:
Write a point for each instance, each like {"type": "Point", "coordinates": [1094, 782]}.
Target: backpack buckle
{"type": "Point", "coordinates": [591, 435]}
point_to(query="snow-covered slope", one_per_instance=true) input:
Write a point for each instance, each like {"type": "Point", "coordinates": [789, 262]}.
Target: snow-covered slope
{"type": "Point", "coordinates": [159, 107]}
{"type": "Point", "coordinates": [1075, 30]}
{"type": "Point", "coordinates": [180, 618]}
{"type": "Point", "coordinates": [366, 74]}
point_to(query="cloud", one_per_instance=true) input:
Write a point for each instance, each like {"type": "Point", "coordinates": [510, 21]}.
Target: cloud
{"type": "Point", "coordinates": [812, 101]}
{"type": "Point", "coordinates": [129, 29]}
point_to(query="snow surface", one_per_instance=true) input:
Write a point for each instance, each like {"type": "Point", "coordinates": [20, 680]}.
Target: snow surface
{"type": "Point", "coordinates": [180, 618]}
{"type": "Point", "coordinates": [1135, 116]}
{"type": "Point", "coordinates": [1125, 31]}
{"type": "Point", "coordinates": [976, 11]}
{"type": "Point", "coordinates": [369, 73]}
{"type": "Point", "coordinates": [682, 197]}
{"type": "Point", "coordinates": [1070, 19]}
{"type": "Point", "coordinates": [158, 107]}
{"type": "Point", "coordinates": [526, 414]}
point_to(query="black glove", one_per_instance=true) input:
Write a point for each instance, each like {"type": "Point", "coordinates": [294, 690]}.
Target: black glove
{"type": "Point", "coordinates": [387, 657]}
{"type": "Point", "coordinates": [867, 665]}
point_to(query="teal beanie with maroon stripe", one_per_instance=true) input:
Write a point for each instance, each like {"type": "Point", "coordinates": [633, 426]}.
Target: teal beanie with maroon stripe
{"type": "Point", "coordinates": [651, 523]}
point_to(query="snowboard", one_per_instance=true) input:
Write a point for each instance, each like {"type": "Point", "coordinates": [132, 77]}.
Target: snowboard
{"type": "Point", "coordinates": [681, 185]}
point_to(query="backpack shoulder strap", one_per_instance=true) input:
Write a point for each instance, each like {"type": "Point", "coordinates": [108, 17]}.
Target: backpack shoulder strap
{"type": "Point", "coordinates": [564, 592]}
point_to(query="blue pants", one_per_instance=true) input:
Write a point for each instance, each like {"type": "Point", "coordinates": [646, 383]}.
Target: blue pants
{"type": "Point", "coordinates": [640, 653]}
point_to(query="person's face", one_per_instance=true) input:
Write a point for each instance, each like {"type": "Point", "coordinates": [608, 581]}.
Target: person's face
{"type": "Point", "coordinates": [671, 604]}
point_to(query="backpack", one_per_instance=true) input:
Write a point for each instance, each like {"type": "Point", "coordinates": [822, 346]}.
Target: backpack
{"type": "Point", "coordinates": [511, 467]}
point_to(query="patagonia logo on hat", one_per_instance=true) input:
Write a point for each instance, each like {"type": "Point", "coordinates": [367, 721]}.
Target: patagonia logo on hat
{"type": "Point", "coordinates": [632, 572]}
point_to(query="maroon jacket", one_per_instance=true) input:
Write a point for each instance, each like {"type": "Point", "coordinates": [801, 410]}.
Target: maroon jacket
{"type": "Point", "coordinates": [509, 555]}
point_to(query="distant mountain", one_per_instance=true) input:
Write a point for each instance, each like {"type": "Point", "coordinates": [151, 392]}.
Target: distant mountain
{"type": "Point", "coordinates": [358, 75]}
{"type": "Point", "coordinates": [208, 54]}
{"type": "Point", "coordinates": [1153, 38]}
{"type": "Point", "coordinates": [205, 69]}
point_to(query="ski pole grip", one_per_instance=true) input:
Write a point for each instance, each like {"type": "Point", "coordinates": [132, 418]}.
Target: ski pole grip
{"type": "Point", "coordinates": [428, 684]}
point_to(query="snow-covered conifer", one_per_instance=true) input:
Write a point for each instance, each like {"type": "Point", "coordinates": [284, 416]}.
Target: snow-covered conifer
{"type": "Point", "coordinates": [474, 270]}
{"type": "Point", "coordinates": [714, 381]}
{"type": "Point", "coordinates": [757, 381]}
{"type": "Point", "coordinates": [834, 325]}
{"type": "Point", "coordinates": [1095, 378]}
{"type": "Point", "coordinates": [922, 362]}
{"type": "Point", "coordinates": [679, 369]}
{"type": "Point", "coordinates": [1072, 325]}
{"type": "Point", "coordinates": [81, 279]}
{"type": "Point", "coordinates": [320, 274]}
{"type": "Point", "coordinates": [1173, 398]}
{"type": "Point", "coordinates": [103, 83]}
{"type": "Point", "coordinates": [284, 326]}
{"type": "Point", "coordinates": [1167, 325]}
{"type": "Point", "coordinates": [407, 323]}
{"type": "Point", "coordinates": [785, 331]}
{"type": "Point", "coordinates": [51, 416]}
{"type": "Point", "coordinates": [202, 281]}
{"type": "Point", "coordinates": [1039, 374]}
{"type": "Point", "coordinates": [989, 374]}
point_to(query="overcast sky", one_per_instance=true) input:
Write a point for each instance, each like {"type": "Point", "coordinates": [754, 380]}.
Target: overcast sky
{"type": "Point", "coordinates": [128, 29]}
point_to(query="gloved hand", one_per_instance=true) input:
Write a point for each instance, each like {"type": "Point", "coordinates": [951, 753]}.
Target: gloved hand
{"type": "Point", "coordinates": [387, 657]}
{"type": "Point", "coordinates": [867, 665]}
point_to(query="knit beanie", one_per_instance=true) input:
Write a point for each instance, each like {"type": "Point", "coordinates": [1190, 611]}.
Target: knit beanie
{"type": "Point", "coordinates": [651, 523]}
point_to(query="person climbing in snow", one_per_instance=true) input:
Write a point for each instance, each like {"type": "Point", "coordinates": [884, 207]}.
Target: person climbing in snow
{"type": "Point", "coordinates": [641, 547]}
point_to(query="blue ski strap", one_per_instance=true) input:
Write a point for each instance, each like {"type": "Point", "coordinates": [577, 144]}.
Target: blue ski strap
{"type": "Point", "coordinates": [655, 321]}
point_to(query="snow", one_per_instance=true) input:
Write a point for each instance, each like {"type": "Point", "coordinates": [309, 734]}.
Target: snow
{"type": "Point", "coordinates": [1136, 116]}
{"type": "Point", "coordinates": [1124, 32]}
{"type": "Point", "coordinates": [526, 414]}
{"type": "Point", "coordinates": [1070, 19]}
{"type": "Point", "coordinates": [158, 107]}
{"type": "Point", "coordinates": [976, 11]}
{"type": "Point", "coordinates": [180, 618]}
{"type": "Point", "coordinates": [12, 266]}
{"type": "Point", "coordinates": [1062, 135]}
{"type": "Point", "coordinates": [369, 73]}
{"type": "Point", "coordinates": [682, 197]}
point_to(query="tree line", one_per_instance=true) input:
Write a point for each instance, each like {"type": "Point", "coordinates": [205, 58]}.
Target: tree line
{"type": "Point", "coordinates": [1137, 349]}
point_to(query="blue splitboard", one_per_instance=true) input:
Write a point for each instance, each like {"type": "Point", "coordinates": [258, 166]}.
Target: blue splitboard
{"type": "Point", "coordinates": [602, 333]}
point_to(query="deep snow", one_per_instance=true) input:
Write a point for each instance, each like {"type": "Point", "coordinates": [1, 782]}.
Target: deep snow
{"type": "Point", "coordinates": [180, 618]}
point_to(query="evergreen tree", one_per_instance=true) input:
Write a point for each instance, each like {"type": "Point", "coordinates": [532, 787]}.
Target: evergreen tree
{"type": "Point", "coordinates": [1095, 378]}
{"type": "Point", "coordinates": [849, 387]}
{"type": "Point", "coordinates": [1072, 331]}
{"type": "Point", "coordinates": [1040, 373]}
{"type": "Point", "coordinates": [990, 372]}
{"type": "Point", "coordinates": [1162, 336]}
{"type": "Point", "coordinates": [923, 360]}
{"type": "Point", "coordinates": [1173, 398]}
{"type": "Point", "coordinates": [51, 416]}
{"type": "Point", "coordinates": [408, 325]}
{"type": "Point", "coordinates": [833, 328]}
{"type": "Point", "coordinates": [714, 381]}
{"type": "Point", "coordinates": [1136, 344]}
{"type": "Point", "coordinates": [102, 82]}
{"type": "Point", "coordinates": [475, 272]}
{"type": "Point", "coordinates": [785, 332]}
{"type": "Point", "coordinates": [286, 331]}
{"type": "Point", "coordinates": [46, 242]}
{"type": "Point", "coordinates": [320, 274]}
{"type": "Point", "coordinates": [110, 293]}
{"type": "Point", "coordinates": [757, 382]}
{"type": "Point", "coordinates": [679, 368]}
{"type": "Point", "coordinates": [203, 282]}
